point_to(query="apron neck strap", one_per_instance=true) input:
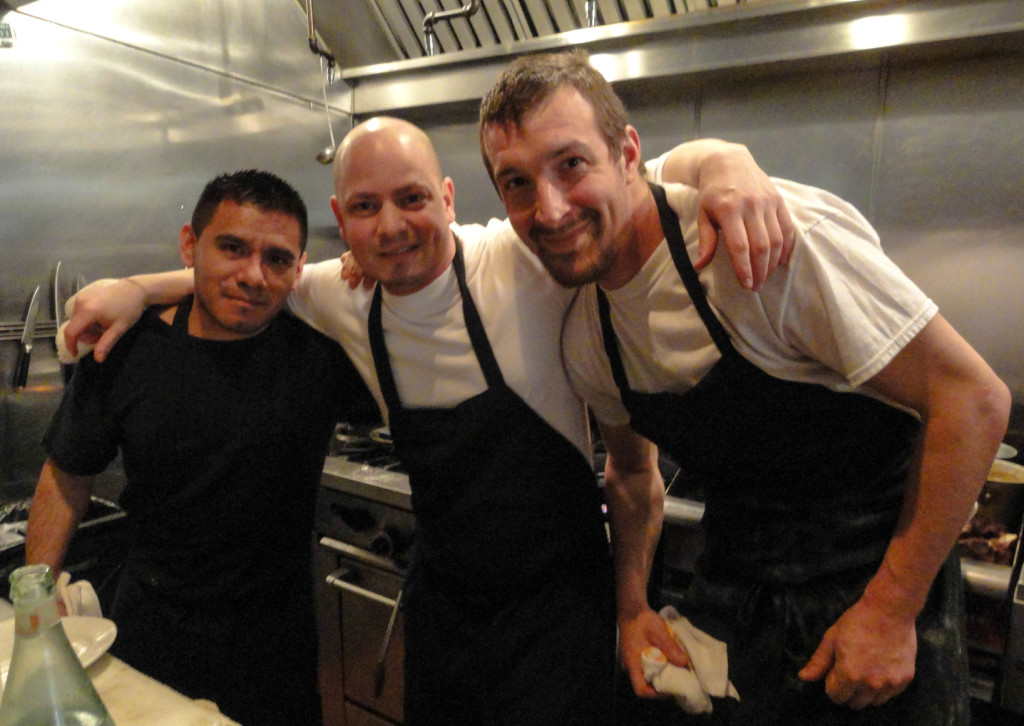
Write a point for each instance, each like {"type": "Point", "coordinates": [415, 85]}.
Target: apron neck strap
{"type": "Point", "coordinates": [474, 327]}
{"type": "Point", "coordinates": [677, 248]}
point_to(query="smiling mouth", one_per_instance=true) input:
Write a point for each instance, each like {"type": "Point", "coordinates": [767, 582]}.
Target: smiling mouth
{"type": "Point", "coordinates": [399, 251]}
{"type": "Point", "coordinates": [561, 241]}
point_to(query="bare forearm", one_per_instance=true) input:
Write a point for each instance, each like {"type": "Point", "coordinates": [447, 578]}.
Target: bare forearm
{"type": "Point", "coordinates": [956, 452]}
{"type": "Point", "coordinates": [165, 288]}
{"type": "Point", "coordinates": [964, 409]}
{"type": "Point", "coordinates": [635, 517]}
{"type": "Point", "coordinates": [634, 494]}
{"type": "Point", "coordinates": [59, 502]}
{"type": "Point", "coordinates": [686, 161]}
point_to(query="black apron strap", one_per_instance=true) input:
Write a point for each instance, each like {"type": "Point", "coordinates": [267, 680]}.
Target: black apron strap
{"type": "Point", "coordinates": [381, 360]}
{"type": "Point", "coordinates": [474, 326]}
{"type": "Point", "coordinates": [677, 247]}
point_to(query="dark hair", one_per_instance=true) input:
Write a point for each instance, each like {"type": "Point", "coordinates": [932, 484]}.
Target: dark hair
{"type": "Point", "coordinates": [530, 79]}
{"type": "Point", "coordinates": [262, 189]}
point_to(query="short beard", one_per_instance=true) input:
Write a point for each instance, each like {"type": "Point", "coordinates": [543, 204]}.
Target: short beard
{"type": "Point", "coordinates": [573, 277]}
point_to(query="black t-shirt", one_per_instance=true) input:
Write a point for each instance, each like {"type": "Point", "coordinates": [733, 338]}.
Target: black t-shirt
{"type": "Point", "coordinates": [222, 442]}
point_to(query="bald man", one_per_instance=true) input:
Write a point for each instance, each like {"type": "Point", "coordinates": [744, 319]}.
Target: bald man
{"type": "Point", "coordinates": [510, 604]}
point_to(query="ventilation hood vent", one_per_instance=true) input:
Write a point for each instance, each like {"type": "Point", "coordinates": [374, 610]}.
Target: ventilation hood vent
{"type": "Point", "coordinates": [367, 32]}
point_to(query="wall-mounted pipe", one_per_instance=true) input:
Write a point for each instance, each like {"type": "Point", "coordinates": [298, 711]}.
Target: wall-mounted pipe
{"type": "Point", "coordinates": [430, 37]}
{"type": "Point", "coordinates": [314, 45]}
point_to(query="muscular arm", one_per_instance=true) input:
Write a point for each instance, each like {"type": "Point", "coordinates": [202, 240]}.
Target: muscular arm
{"type": "Point", "coordinates": [102, 313]}
{"type": "Point", "coordinates": [868, 655]}
{"type": "Point", "coordinates": [59, 502]}
{"type": "Point", "coordinates": [635, 495]}
{"type": "Point", "coordinates": [738, 200]}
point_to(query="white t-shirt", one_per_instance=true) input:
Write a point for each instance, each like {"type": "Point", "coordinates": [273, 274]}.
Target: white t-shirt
{"type": "Point", "coordinates": [836, 315]}
{"type": "Point", "coordinates": [522, 310]}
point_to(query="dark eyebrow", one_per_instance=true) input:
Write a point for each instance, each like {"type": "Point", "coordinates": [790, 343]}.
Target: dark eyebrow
{"type": "Point", "coordinates": [573, 148]}
{"type": "Point", "coordinates": [411, 187]}
{"type": "Point", "coordinates": [228, 237]}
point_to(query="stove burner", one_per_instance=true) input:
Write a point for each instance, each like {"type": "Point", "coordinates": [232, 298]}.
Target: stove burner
{"type": "Point", "coordinates": [369, 447]}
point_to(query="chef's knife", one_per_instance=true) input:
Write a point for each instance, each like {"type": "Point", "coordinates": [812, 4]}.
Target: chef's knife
{"type": "Point", "coordinates": [25, 354]}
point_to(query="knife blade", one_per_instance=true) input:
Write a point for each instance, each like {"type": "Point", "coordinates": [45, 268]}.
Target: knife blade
{"type": "Point", "coordinates": [58, 308]}
{"type": "Point", "coordinates": [66, 369]}
{"type": "Point", "coordinates": [27, 335]}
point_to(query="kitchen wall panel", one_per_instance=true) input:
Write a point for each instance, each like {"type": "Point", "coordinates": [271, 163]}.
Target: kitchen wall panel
{"type": "Point", "coordinates": [949, 198]}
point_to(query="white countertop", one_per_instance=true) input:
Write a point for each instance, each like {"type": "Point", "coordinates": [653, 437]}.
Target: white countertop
{"type": "Point", "coordinates": [135, 699]}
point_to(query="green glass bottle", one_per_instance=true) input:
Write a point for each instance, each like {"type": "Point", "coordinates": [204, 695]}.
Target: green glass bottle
{"type": "Point", "coordinates": [46, 683]}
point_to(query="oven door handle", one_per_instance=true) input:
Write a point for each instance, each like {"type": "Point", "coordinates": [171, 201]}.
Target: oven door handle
{"type": "Point", "coordinates": [340, 579]}
{"type": "Point", "coordinates": [380, 670]}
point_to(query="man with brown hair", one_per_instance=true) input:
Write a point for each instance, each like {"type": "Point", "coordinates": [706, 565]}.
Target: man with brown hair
{"type": "Point", "coordinates": [841, 428]}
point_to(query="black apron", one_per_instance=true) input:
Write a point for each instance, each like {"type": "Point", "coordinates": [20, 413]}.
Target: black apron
{"type": "Point", "coordinates": [217, 644]}
{"type": "Point", "coordinates": [509, 608]}
{"type": "Point", "coordinates": [803, 487]}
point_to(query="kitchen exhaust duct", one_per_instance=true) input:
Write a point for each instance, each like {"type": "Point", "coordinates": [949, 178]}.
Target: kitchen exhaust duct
{"type": "Point", "coordinates": [411, 29]}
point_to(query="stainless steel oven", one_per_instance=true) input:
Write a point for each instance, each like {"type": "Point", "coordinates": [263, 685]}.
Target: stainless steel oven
{"type": "Point", "coordinates": [364, 531]}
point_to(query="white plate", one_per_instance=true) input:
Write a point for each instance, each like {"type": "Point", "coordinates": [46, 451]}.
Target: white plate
{"type": "Point", "coordinates": [90, 638]}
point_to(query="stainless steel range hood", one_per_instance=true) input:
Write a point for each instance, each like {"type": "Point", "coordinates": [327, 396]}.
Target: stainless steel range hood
{"type": "Point", "coordinates": [368, 32]}
{"type": "Point", "coordinates": [683, 42]}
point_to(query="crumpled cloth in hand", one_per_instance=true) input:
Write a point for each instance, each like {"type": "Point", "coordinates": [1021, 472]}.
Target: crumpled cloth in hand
{"type": "Point", "coordinates": [706, 676]}
{"type": "Point", "coordinates": [63, 354]}
{"type": "Point", "coordinates": [79, 598]}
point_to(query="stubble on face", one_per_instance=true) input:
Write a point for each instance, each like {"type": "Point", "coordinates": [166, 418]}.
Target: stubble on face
{"type": "Point", "coordinates": [586, 261]}
{"type": "Point", "coordinates": [232, 300]}
{"type": "Point", "coordinates": [562, 187]}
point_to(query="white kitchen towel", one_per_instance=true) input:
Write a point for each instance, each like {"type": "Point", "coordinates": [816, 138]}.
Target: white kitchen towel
{"type": "Point", "coordinates": [79, 598]}
{"type": "Point", "coordinates": [63, 354]}
{"type": "Point", "coordinates": [708, 672]}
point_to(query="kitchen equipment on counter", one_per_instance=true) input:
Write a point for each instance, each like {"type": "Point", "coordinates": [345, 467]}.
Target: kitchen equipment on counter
{"type": "Point", "coordinates": [992, 535]}
{"type": "Point", "coordinates": [96, 552]}
{"type": "Point", "coordinates": [27, 336]}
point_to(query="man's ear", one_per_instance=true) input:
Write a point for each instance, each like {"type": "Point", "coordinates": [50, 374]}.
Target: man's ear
{"type": "Point", "coordinates": [187, 245]}
{"type": "Point", "coordinates": [336, 208]}
{"type": "Point", "coordinates": [448, 197]}
{"type": "Point", "coordinates": [298, 270]}
{"type": "Point", "coordinates": [631, 150]}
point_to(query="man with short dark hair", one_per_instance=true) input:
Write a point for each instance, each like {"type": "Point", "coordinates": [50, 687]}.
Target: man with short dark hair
{"type": "Point", "coordinates": [840, 427]}
{"type": "Point", "coordinates": [221, 409]}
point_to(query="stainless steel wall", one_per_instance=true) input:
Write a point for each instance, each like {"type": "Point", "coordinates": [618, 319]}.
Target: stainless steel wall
{"type": "Point", "coordinates": [113, 115]}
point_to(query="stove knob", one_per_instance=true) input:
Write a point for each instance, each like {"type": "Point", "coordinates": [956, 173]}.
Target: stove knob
{"type": "Point", "coordinates": [383, 543]}
{"type": "Point", "coordinates": [388, 542]}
